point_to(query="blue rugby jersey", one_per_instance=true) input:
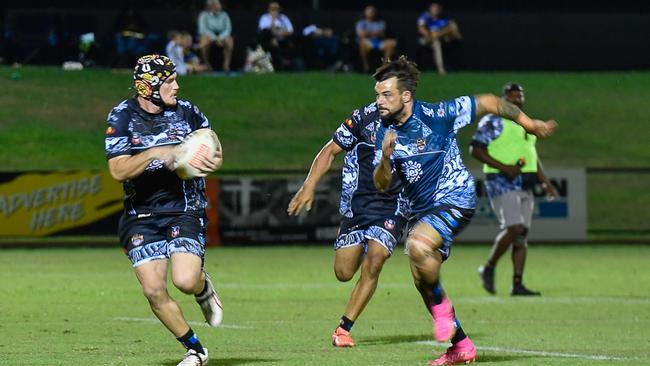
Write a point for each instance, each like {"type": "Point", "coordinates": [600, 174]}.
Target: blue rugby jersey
{"type": "Point", "coordinates": [356, 136]}
{"type": "Point", "coordinates": [427, 158]}
{"type": "Point", "coordinates": [131, 131]}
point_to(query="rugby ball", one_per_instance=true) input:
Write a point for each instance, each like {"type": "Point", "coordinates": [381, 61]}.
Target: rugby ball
{"type": "Point", "coordinates": [200, 143]}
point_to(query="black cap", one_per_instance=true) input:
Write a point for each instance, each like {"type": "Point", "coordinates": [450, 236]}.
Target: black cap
{"type": "Point", "coordinates": [511, 87]}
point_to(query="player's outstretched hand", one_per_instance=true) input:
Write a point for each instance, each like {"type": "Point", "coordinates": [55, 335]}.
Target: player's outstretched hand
{"type": "Point", "coordinates": [544, 129]}
{"type": "Point", "coordinates": [303, 199]}
{"type": "Point", "coordinates": [388, 144]}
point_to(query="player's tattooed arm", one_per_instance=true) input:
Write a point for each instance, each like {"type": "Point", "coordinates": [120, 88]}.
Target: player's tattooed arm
{"type": "Point", "coordinates": [383, 172]}
{"type": "Point", "coordinates": [490, 103]}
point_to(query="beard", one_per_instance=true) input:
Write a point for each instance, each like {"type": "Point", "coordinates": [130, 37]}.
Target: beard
{"type": "Point", "coordinates": [391, 117]}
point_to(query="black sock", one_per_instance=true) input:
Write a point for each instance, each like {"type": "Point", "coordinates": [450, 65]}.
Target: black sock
{"type": "Point", "coordinates": [205, 288]}
{"type": "Point", "coordinates": [435, 291]}
{"type": "Point", "coordinates": [460, 334]}
{"type": "Point", "coordinates": [346, 323]}
{"type": "Point", "coordinates": [191, 341]}
{"type": "Point", "coordinates": [516, 280]}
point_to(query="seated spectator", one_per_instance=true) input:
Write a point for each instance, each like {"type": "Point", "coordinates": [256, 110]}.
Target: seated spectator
{"type": "Point", "coordinates": [174, 50]}
{"type": "Point", "coordinates": [322, 47]}
{"type": "Point", "coordinates": [371, 35]}
{"type": "Point", "coordinates": [193, 61]}
{"type": "Point", "coordinates": [433, 28]}
{"type": "Point", "coordinates": [179, 52]}
{"type": "Point", "coordinates": [276, 36]}
{"type": "Point", "coordinates": [131, 38]}
{"type": "Point", "coordinates": [214, 28]}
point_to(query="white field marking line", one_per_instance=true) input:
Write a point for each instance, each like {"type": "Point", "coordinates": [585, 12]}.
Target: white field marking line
{"type": "Point", "coordinates": [192, 323]}
{"type": "Point", "coordinates": [528, 352]}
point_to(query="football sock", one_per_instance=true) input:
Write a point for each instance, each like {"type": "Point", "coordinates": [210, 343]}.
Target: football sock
{"type": "Point", "coordinates": [191, 341]}
{"type": "Point", "coordinates": [436, 293]}
{"type": "Point", "coordinates": [205, 288]}
{"type": "Point", "coordinates": [517, 279]}
{"type": "Point", "coordinates": [346, 323]}
{"type": "Point", "coordinates": [460, 334]}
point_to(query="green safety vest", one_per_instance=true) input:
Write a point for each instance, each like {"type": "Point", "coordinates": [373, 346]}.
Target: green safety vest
{"type": "Point", "coordinates": [513, 144]}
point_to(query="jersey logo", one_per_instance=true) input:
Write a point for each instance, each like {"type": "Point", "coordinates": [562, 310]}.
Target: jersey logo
{"type": "Point", "coordinates": [348, 122]}
{"type": "Point", "coordinates": [412, 171]}
{"type": "Point", "coordinates": [135, 140]}
{"type": "Point", "coordinates": [137, 239]}
{"type": "Point", "coordinates": [421, 144]}
{"type": "Point", "coordinates": [110, 130]}
{"type": "Point", "coordinates": [389, 224]}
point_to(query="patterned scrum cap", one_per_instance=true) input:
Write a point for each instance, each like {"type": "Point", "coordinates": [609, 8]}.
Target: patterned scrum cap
{"type": "Point", "coordinates": [150, 73]}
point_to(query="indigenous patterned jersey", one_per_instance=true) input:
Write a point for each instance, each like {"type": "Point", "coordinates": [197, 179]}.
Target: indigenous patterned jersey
{"type": "Point", "coordinates": [427, 158]}
{"type": "Point", "coordinates": [131, 131]}
{"type": "Point", "coordinates": [356, 135]}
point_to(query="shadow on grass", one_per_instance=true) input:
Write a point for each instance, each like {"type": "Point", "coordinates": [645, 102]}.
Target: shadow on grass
{"type": "Point", "coordinates": [480, 357]}
{"type": "Point", "coordinates": [393, 339]}
{"type": "Point", "coordinates": [410, 338]}
{"type": "Point", "coordinates": [229, 361]}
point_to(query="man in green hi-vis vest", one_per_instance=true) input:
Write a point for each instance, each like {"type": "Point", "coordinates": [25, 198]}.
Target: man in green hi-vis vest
{"type": "Point", "coordinates": [512, 168]}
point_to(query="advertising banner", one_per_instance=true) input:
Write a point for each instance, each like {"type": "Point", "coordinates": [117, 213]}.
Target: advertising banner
{"type": "Point", "coordinates": [40, 204]}
{"type": "Point", "coordinates": [254, 211]}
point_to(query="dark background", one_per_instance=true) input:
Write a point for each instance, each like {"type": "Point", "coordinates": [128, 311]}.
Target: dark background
{"type": "Point", "coordinates": [575, 35]}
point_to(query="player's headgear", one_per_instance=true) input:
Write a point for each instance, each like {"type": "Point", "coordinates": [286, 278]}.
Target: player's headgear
{"type": "Point", "coordinates": [511, 87]}
{"type": "Point", "coordinates": [149, 74]}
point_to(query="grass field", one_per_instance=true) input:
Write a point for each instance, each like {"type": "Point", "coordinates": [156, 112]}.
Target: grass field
{"type": "Point", "coordinates": [49, 116]}
{"type": "Point", "coordinates": [84, 307]}
{"type": "Point", "coordinates": [53, 119]}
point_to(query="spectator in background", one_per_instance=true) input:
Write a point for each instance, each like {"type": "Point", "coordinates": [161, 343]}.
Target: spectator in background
{"type": "Point", "coordinates": [179, 50]}
{"type": "Point", "coordinates": [131, 38]}
{"type": "Point", "coordinates": [323, 47]}
{"type": "Point", "coordinates": [191, 59]}
{"type": "Point", "coordinates": [275, 36]}
{"type": "Point", "coordinates": [433, 28]}
{"type": "Point", "coordinates": [371, 35]}
{"type": "Point", "coordinates": [215, 28]}
{"type": "Point", "coordinates": [174, 51]}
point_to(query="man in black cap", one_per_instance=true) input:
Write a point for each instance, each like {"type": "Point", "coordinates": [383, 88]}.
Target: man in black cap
{"type": "Point", "coordinates": [512, 169]}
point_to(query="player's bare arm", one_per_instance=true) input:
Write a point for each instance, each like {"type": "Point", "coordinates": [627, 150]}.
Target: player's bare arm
{"type": "Point", "coordinates": [125, 167]}
{"type": "Point", "coordinates": [383, 173]}
{"type": "Point", "coordinates": [490, 103]}
{"type": "Point", "coordinates": [321, 164]}
{"type": "Point", "coordinates": [481, 154]}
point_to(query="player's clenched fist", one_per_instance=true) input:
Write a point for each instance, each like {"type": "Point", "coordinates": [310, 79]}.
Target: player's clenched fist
{"type": "Point", "coordinates": [388, 144]}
